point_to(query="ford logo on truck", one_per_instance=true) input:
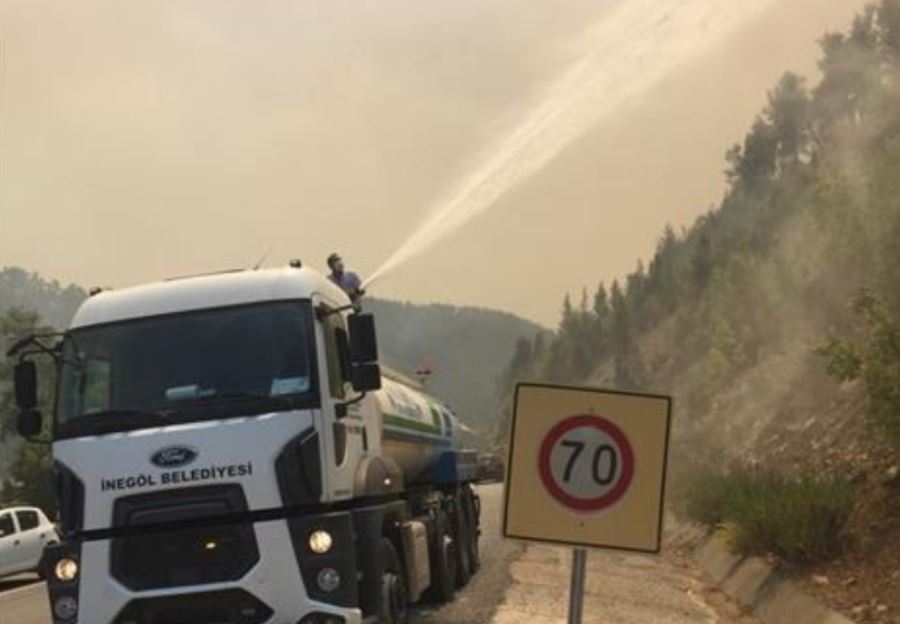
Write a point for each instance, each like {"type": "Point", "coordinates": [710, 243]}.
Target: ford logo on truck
{"type": "Point", "coordinates": [173, 456]}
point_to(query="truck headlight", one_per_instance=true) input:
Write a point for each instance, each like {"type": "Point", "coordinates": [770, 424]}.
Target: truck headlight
{"type": "Point", "coordinates": [320, 541]}
{"type": "Point", "coordinates": [66, 570]}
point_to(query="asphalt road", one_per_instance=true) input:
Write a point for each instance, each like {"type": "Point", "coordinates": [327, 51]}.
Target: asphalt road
{"type": "Point", "coordinates": [518, 585]}
{"type": "Point", "coordinates": [521, 584]}
{"type": "Point", "coordinates": [23, 600]}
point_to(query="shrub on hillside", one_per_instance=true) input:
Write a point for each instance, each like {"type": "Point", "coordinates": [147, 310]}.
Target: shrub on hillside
{"type": "Point", "coordinates": [706, 498]}
{"type": "Point", "coordinates": [799, 520]}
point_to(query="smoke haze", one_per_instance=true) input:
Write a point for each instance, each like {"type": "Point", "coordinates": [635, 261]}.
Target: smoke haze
{"type": "Point", "coordinates": [625, 54]}
{"type": "Point", "coordinates": [169, 138]}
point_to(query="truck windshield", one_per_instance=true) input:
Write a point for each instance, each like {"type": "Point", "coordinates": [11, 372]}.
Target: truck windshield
{"type": "Point", "coordinates": [198, 365]}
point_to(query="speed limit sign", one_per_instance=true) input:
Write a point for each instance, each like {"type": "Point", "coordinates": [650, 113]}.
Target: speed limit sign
{"type": "Point", "coordinates": [587, 467]}
{"type": "Point", "coordinates": [586, 463]}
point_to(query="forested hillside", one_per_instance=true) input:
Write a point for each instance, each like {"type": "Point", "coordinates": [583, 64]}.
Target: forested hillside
{"type": "Point", "coordinates": [774, 319]}
{"type": "Point", "coordinates": [809, 225]}
{"type": "Point", "coordinates": [55, 303]}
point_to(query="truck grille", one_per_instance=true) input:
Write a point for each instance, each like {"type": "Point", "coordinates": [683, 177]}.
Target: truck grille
{"type": "Point", "coordinates": [233, 606]}
{"type": "Point", "coordinates": [197, 550]}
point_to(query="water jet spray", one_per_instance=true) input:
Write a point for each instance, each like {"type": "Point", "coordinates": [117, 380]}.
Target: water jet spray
{"type": "Point", "coordinates": [625, 54]}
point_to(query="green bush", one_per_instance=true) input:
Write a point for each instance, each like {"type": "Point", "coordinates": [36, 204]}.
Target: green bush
{"type": "Point", "coordinates": [872, 354]}
{"type": "Point", "coordinates": [800, 520]}
{"type": "Point", "coordinates": [705, 499]}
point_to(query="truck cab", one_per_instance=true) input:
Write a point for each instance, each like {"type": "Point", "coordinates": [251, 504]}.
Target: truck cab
{"type": "Point", "coordinates": [218, 458]}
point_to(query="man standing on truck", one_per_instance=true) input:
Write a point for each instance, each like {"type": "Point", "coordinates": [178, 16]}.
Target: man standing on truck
{"type": "Point", "coordinates": [346, 280]}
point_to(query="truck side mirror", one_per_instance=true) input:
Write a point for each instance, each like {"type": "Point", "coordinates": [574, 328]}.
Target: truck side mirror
{"type": "Point", "coordinates": [29, 423]}
{"type": "Point", "coordinates": [363, 344]}
{"type": "Point", "coordinates": [365, 377]}
{"type": "Point", "coordinates": [25, 383]}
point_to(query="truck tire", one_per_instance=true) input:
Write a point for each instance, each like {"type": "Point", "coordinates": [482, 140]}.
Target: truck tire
{"type": "Point", "coordinates": [394, 607]}
{"type": "Point", "coordinates": [463, 539]}
{"type": "Point", "coordinates": [471, 506]}
{"type": "Point", "coordinates": [444, 561]}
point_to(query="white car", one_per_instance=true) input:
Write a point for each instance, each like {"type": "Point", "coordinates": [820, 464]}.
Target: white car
{"type": "Point", "coordinates": [24, 532]}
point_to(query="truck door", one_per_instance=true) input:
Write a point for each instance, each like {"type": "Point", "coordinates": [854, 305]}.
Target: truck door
{"type": "Point", "coordinates": [344, 439]}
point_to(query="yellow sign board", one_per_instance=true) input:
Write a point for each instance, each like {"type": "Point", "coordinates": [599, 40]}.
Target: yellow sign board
{"type": "Point", "coordinates": [587, 467]}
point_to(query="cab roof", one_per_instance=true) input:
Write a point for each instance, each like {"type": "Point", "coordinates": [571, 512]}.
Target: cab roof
{"type": "Point", "coordinates": [206, 291]}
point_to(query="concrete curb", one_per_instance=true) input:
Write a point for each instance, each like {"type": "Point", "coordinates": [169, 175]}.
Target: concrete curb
{"type": "Point", "coordinates": [765, 592]}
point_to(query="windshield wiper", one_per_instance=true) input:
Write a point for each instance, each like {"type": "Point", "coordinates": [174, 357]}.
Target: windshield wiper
{"type": "Point", "coordinates": [118, 413]}
{"type": "Point", "coordinates": [118, 419]}
{"type": "Point", "coordinates": [226, 397]}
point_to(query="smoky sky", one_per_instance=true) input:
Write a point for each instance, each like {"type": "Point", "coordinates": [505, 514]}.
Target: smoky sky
{"type": "Point", "coordinates": [146, 139]}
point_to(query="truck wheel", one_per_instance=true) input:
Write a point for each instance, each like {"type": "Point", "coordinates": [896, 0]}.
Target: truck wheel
{"type": "Point", "coordinates": [394, 608]}
{"type": "Point", "coordinates": [443, 561]}
{"type": "Point", "coordinates": [470, 501]}
{"type": "Point", "coordinates": [464, 541]}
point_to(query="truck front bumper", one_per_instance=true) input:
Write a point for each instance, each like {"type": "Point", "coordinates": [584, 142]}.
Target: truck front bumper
{"type": "Point", "coordinates": [272, 592]}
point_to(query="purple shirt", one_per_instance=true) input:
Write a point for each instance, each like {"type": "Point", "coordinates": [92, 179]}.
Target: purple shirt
{"type": "Point", "coordinates": [348, 281]}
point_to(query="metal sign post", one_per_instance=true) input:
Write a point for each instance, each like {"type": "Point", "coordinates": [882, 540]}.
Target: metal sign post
{"type": "Point", "coordinates": [576, 589]}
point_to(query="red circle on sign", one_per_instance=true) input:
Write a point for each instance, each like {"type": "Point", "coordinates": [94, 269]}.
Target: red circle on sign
{"type": "Point", "coordinates": [574, 502]}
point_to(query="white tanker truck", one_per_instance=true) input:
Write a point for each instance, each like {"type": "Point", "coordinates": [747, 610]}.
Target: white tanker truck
{"type": "Point", "coordinates": [226, 450]}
